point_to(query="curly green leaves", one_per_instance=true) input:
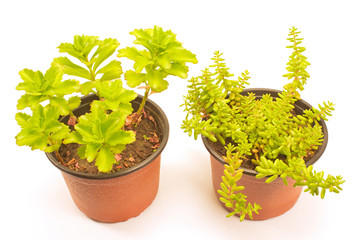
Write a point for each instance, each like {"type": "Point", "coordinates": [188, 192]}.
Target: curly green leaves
{"type": "Point", "coordinates": [39, 87]}
{"type": "Point", "coordinates": [83, 49]}
{"type": "Point", "coordinates": [42, 130]}
{"type": "Point", "coordinates": [163, 56]}
{"type": "Point", "coordinates": [101, 136]}
{"type": "Point", "coordinates": [303, 176]}
{"type": "Point", "coordinates": [115, 97]}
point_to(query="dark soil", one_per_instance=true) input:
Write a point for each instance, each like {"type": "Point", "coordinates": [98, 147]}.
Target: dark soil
{"type": "Point", "coordinates": [148, 138]}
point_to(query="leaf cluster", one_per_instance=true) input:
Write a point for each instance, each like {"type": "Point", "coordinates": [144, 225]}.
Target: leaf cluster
{"type": "Point", "coordinates": [263, 129]}
{"type": "Point", "coordinates": [50, 86]}
{"type": "Point", "coordinates": [101, 136]}
{"type": "Point", "coordinates": [163, 55]}
{"type": "Point", "coordinates": [303, 175]}
{"type": "Point", "coordinates": [230, 192]}
{"type": "Point", "coordinates": [99, 132]}
{"type": "Point", "coordinates": [42, 130]}
{"type": "Point", "coordinates": [91, 53]}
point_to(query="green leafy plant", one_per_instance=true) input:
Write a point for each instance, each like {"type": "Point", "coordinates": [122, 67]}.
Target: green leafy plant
{"type": "Point", "coordinates": [101, 136]}
{"type": "Point", "coordinates": [100, 133]}
{"type": "Point", "coordinates": [265, 132]}
{"type": "Point", "coordinates": [49, 86]}
{"type": "Point", "coordinates": [163, 56]}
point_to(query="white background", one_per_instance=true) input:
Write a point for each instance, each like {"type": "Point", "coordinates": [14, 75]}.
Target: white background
{"type": "Point", "coordinates": [35, 203]}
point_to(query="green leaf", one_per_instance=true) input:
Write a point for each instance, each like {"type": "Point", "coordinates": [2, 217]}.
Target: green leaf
{"type": "Point", "coordinates": [164, 61]}
{"type": "Point", "coordinates": [61, 133]}
{"type": "Point", "coordinates": [141, 62]}
{"type": "Point", "coordinates": [86, 88]}
{"type": "Point", "coordinates": [129, 52]}
{"type": "Point", "coordinates": [74, 137]}
{"type": "Point", "coordinates": [81, 151]}
{"type": "Point", "coordinates": [156, 81]}
{"type": "Point", "coordinates": [182, 55]}
{"type": "Point", "coordinates": [52, 148]}
{"type": "Point", "coordinates": [42, 130]}
{"type": "Point", "coordinates": [179, 70]}
{"type": "Point", "coordinates": [27, 75]}
{"type": "Point", "coordinates": [112, 68]}
{"type": "Point", "coordinates": [127, 96]}
{"type": "Point", "coordinates": [22, 119]}
{"type": "Point", "coordinates": [67, 87]}
{"type": "Point", "coordinates": [60, 103]}
{"type": "Point", "coordinates": [69, 48]}
{"type": "Point", "coordinates": [115, 94]}
{"type": "Point", "coordinates": [34, 82]}
{"type": "Point", "coordinates": [106, 48]}
{"type": "Point", "coordinates": [81, 47]}
{"type": "Point", "coordinates": [54, 74]}
{"type": "Point", "coordinates": [30, 101]}
{"type": "Point", "coordinates": [134, 79]}
{"type": "Point", "coordinates": [120, 137]}
{"type": "Point", "coordinates": [71, 68]}
{"type": "Point", "coordinates": [91, 151]}
{"type": "Point", "coordinates": [270, 179]}
{"type": "Point", "coordinates": [105, 159]}
{"type": "Point", "coordinates": [231, 214]}
{"type": "Point", "coordinates": [31, 137]}
{"type": "Point", "coordinates": [74, 102]}
{"type": "Point", "coordinates": [84, 130]}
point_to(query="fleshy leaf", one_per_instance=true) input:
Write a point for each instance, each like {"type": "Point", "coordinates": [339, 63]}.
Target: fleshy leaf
{"type": "Point", "coordinates": [156, 81]}
{"type": "Point", "coordinates": [129, 52]}
{"type": "Point", "coordinates": [134, 79]}
{"type": "Point", "coordinates": [71, 68]}
{"type": "Point", "coordinates": [42, 129]}
{"type": "Point", "coordinates": [182, 55]}
{"type": "Point", "coordinates": [105, 159]}
{"type": "Point", "coordinates": [106, 48]}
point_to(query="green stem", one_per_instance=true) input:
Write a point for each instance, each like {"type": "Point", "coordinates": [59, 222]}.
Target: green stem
{"type": "Point", "coordinates": [143, 101]}
{"type": "Point", "coordinates": [92, 74]}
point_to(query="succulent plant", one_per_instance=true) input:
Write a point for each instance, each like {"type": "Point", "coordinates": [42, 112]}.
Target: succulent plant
{"type": "Point", "coordinates": [264, 131]}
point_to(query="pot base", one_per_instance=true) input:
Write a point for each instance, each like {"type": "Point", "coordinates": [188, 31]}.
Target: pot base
{"type": "Point", "coordinates": [116, 199]}
{"type": "Point", "coordinates": [275, 198]}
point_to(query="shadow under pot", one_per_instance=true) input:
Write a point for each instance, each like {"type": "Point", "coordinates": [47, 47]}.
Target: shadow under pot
{"type": "Point", "coordinates": [275, 198]}
{"type": "Point", "coordinates": [118, 196]}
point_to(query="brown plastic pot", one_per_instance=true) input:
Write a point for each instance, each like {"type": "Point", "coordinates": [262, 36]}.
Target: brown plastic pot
{"type": "Point", "coordinates": [116, 197]}
{"type": "Point", "coordinates": [275, 198]}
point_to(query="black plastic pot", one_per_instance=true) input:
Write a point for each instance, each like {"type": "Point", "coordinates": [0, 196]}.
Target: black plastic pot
{"type": "Point", "coordinates": [118, 196]}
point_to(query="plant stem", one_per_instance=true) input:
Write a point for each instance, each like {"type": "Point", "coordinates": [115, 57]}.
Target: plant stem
{"type": "Point", "coordinates": [60, 158]}
{"type": "Point", "coordinates": [139, 111]}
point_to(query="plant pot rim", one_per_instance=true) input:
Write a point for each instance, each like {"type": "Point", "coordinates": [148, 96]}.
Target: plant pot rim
{"type": "Point", "coordinates": [102, 176]}
{"type": "Point", "coordinates": [300, 103]}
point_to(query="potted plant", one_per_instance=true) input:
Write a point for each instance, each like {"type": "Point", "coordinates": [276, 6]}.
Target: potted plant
{"type": "Point", "coordinates": [107, 143]}
{"type": "Point", "coordinates": [262, 142]}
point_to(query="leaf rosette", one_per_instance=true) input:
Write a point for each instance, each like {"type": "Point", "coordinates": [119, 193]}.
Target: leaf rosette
{"type": "Point", "coordinates": [42, 130]}
{"type": "Point", "coordinates": [49, 86]}
{"type": "Point", "coordinates": [101, 136]}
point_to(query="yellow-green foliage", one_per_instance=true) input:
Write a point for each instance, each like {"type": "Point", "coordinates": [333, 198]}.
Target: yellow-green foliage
{"type": "Point", "coordinates": [262, 129]}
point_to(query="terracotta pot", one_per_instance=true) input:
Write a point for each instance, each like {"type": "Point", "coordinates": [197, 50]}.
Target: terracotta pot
{"type": "Point", "coordinates": [116, 197]}
{"type": "Point", "coordinates": [274, 198]}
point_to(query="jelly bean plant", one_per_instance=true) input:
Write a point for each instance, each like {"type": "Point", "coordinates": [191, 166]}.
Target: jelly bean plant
{"type": "Point", "coordinates": [100, 132]}
{"type": "Point", "coordinates": [265, 132]}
